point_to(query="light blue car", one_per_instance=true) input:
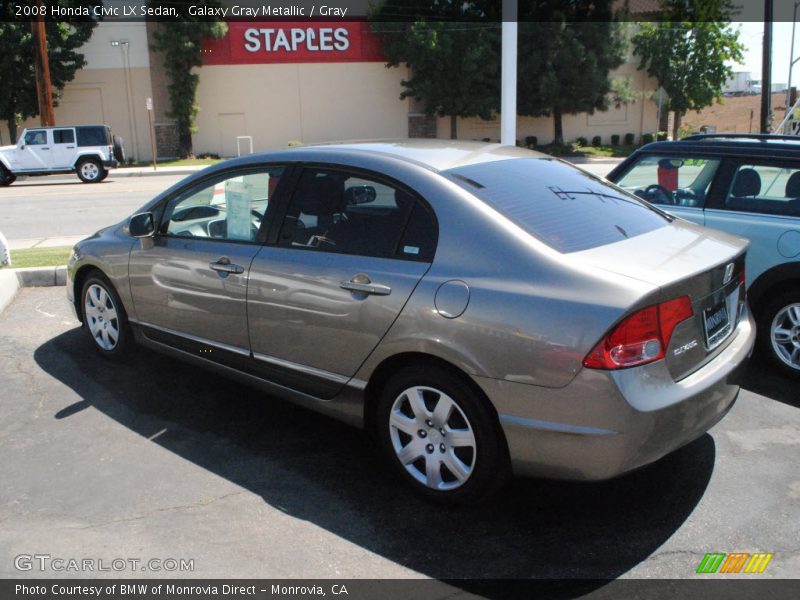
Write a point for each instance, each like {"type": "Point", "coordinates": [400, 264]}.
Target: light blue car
{"type": "Point", "coordinates": [748, 185]}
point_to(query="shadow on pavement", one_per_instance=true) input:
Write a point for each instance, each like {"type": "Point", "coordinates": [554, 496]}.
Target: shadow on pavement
{"type": "Point", "coordinates": [760, 378]}
{"type": "Point", "coordinates": [329, 474]}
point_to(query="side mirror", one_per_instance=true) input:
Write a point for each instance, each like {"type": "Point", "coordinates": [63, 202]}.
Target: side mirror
{"type": "Point", "coordinates": [359, 194]}
{"type": "Point", "coordinates": [141, 225]}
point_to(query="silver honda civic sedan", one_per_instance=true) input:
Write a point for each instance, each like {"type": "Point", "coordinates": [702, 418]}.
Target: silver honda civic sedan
{"type": "Point", "coordinates": [481, 309]}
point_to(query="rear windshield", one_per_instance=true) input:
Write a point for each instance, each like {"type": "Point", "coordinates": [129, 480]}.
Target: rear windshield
{"type": "Point", "coordinates": [564, 207]}
{"type": "Point", "coordinates": [93, 136]}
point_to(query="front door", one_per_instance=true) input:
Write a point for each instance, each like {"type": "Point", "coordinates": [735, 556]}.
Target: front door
{"type": "Point", "coordinates": [351, 250]}
{"type": "Point", "coordinates": [189, 282]}
{"type": "Point", "coordinates": [34, 154]}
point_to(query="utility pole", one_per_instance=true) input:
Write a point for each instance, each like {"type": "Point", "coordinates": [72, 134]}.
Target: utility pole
{"type": "Point", "coordinates": [766, 69]}
{"type": "Point", "coordinates": [42, 66]}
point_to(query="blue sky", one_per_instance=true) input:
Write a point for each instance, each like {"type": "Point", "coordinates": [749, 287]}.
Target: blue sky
{"type": "Point", "coordinates": [751, 35]}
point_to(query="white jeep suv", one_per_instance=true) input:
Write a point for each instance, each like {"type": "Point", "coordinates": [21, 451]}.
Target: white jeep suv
{"type": "Point", "coordinates": [88, 150]}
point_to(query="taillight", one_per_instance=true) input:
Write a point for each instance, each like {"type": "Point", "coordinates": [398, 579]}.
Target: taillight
{"type": "Point", "coordinates": [641, 338]}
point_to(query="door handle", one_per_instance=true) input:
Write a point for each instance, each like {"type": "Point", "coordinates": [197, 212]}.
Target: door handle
{"type": "Point", "coordinates": [363, 285]}
{"type": "Point", "coordinates": [70, 147]}
{"type": "Point", "coordinates": [224, 265]}
{"type": "Point", "coordinates": [44, 148]}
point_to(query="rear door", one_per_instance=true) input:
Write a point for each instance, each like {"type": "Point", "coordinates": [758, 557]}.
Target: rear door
{"type": "Point", "coordinates": [350, 251]}
{"type": "Point", "coordinates": [63, 150]}
{"type": "Point", "coordinates": [760, 200]}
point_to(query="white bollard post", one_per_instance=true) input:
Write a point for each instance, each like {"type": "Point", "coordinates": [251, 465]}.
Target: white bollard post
{"type": "Point", "coordinates": [5, 252]}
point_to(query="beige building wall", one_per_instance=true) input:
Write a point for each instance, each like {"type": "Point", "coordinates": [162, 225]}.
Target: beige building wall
{"type": "Point", "coordinates": [637, 117]}
{"type": "Point", "coordinates": [111, 89]}
{"type": "Point", "coordinates": [280, 103]}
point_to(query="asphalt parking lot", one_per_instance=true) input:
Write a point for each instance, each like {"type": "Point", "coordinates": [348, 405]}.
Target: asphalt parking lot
{"type": "Point", "coordinates": [155, 459]}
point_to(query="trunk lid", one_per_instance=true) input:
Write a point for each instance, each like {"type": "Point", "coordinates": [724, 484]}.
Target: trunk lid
{"type": "Point", "coordinates": [684, 259]}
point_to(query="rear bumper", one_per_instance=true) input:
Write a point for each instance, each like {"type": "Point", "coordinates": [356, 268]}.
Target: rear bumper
{"type": "Point", "coordinates": [111, 164]}
{"type": "Point", "coordinates": [605, 423]}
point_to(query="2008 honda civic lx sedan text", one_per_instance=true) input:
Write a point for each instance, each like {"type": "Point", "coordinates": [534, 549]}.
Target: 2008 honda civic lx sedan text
{"type": "Point", "coordinates": [482, 309]}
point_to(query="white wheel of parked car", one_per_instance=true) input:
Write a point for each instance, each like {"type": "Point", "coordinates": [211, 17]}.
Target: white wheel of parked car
{"type": "Point", "coordinates": [90, 170]}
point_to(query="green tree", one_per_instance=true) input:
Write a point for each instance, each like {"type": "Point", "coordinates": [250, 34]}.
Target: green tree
{"type": "Point", "coordinates": [686, 52]}
{"type": "Point", "coordinates": [182, 45]}
{"type": "Point", "coordinates": [453, 58]}
{"type": "Point", "coordinates": [566, 50]}
{"type": "Point", "coordinates": [18, 97]}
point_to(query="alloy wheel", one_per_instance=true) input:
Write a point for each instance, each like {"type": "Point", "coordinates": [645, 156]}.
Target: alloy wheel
{"type": "Point", "coordinates": [90, 171]}
{"type": "Point", "coordinates": [432, 438]}
{"type": "Point", "coordinates": [101, 317]}
{"type": "Point", "coordinates": [785, 335]}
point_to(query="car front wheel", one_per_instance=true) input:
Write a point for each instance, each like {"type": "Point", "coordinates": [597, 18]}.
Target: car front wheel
{"type": "Point", "coordinates": [104, 317]}
{"type": "Point", "coordinates": [90, 171]}
{"type": "Point", "coordinates": [780, 329]}
{"type": "Point", "coordinates": [441, 435]}
{"type": "Point", "coordinates": [6, 177]}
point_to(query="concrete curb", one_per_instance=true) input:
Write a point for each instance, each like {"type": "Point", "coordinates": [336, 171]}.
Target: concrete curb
{"type": "Point", "coordinates": [145, 172]}
{"type": "Point", "coordinates": [11, 280]}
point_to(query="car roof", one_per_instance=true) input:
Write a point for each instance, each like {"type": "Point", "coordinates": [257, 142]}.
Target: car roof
{"type": "Point", "coordinates": [66, 126]}
{"type": "Point", "coordinates": [437, 155]}
{"type": "Point", "coordinates": [733, 144]}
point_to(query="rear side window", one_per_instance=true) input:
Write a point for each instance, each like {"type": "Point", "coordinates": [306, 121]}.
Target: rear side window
{"type": "Point", "coordinates": [63, 136]}
{"type": "Point", "coordinates": [348, 213]}
{"type": "Point", "coordinates": [765, 189]}
{"type": "Point", "coordinates": [564, 207]}
{"type": "Point", "coordinates": [93, 136]}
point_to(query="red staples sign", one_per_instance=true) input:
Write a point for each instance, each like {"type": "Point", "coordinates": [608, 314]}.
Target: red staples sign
{"type": "Point", "coordinates": [286, 42]}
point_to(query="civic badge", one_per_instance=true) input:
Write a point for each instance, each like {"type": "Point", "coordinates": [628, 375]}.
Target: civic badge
{"type": "Point", "coordinates": [728, 274]}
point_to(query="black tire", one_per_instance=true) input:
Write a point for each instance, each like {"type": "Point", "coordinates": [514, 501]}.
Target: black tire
{"type": "Point", "coordinates": [93, 320]}
{"type": "Point", "coordinates": [783, 312]}
{"type": "Point", "coordinates": [103, 175]}
{"type": "Point", "coordinates": [119, 149]}
{"type": "Point", "coordinates": [486, 462]}
{"type": "Point", "coordinates": [6, 177]}
{"type": "Point", "coordinates": [90, 170]}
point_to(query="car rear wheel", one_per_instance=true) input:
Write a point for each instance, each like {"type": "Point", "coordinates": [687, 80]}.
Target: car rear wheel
{"type": "Point", "coordinates": [441, 435]}
{"type": "Point", "coordinates": [90, 171]}
{"type": "Point", "coordinates": [780, 332]}
{"type": "Point", "coordinates": [104, 317]}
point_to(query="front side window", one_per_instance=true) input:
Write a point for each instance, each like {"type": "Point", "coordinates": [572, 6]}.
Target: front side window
{"type": "Point", "coordinates": [36, 137]}
{"type": "Point", "coordinates": [671, 180]}
{"type": "Point", "coordinates": [344, 213]}
{"type": "Point", "coordinates": [63, 136]}
{"type": "Point", "coordinates": [765, 189]}
{"type": "Point", "coordinates": [230, 209]}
